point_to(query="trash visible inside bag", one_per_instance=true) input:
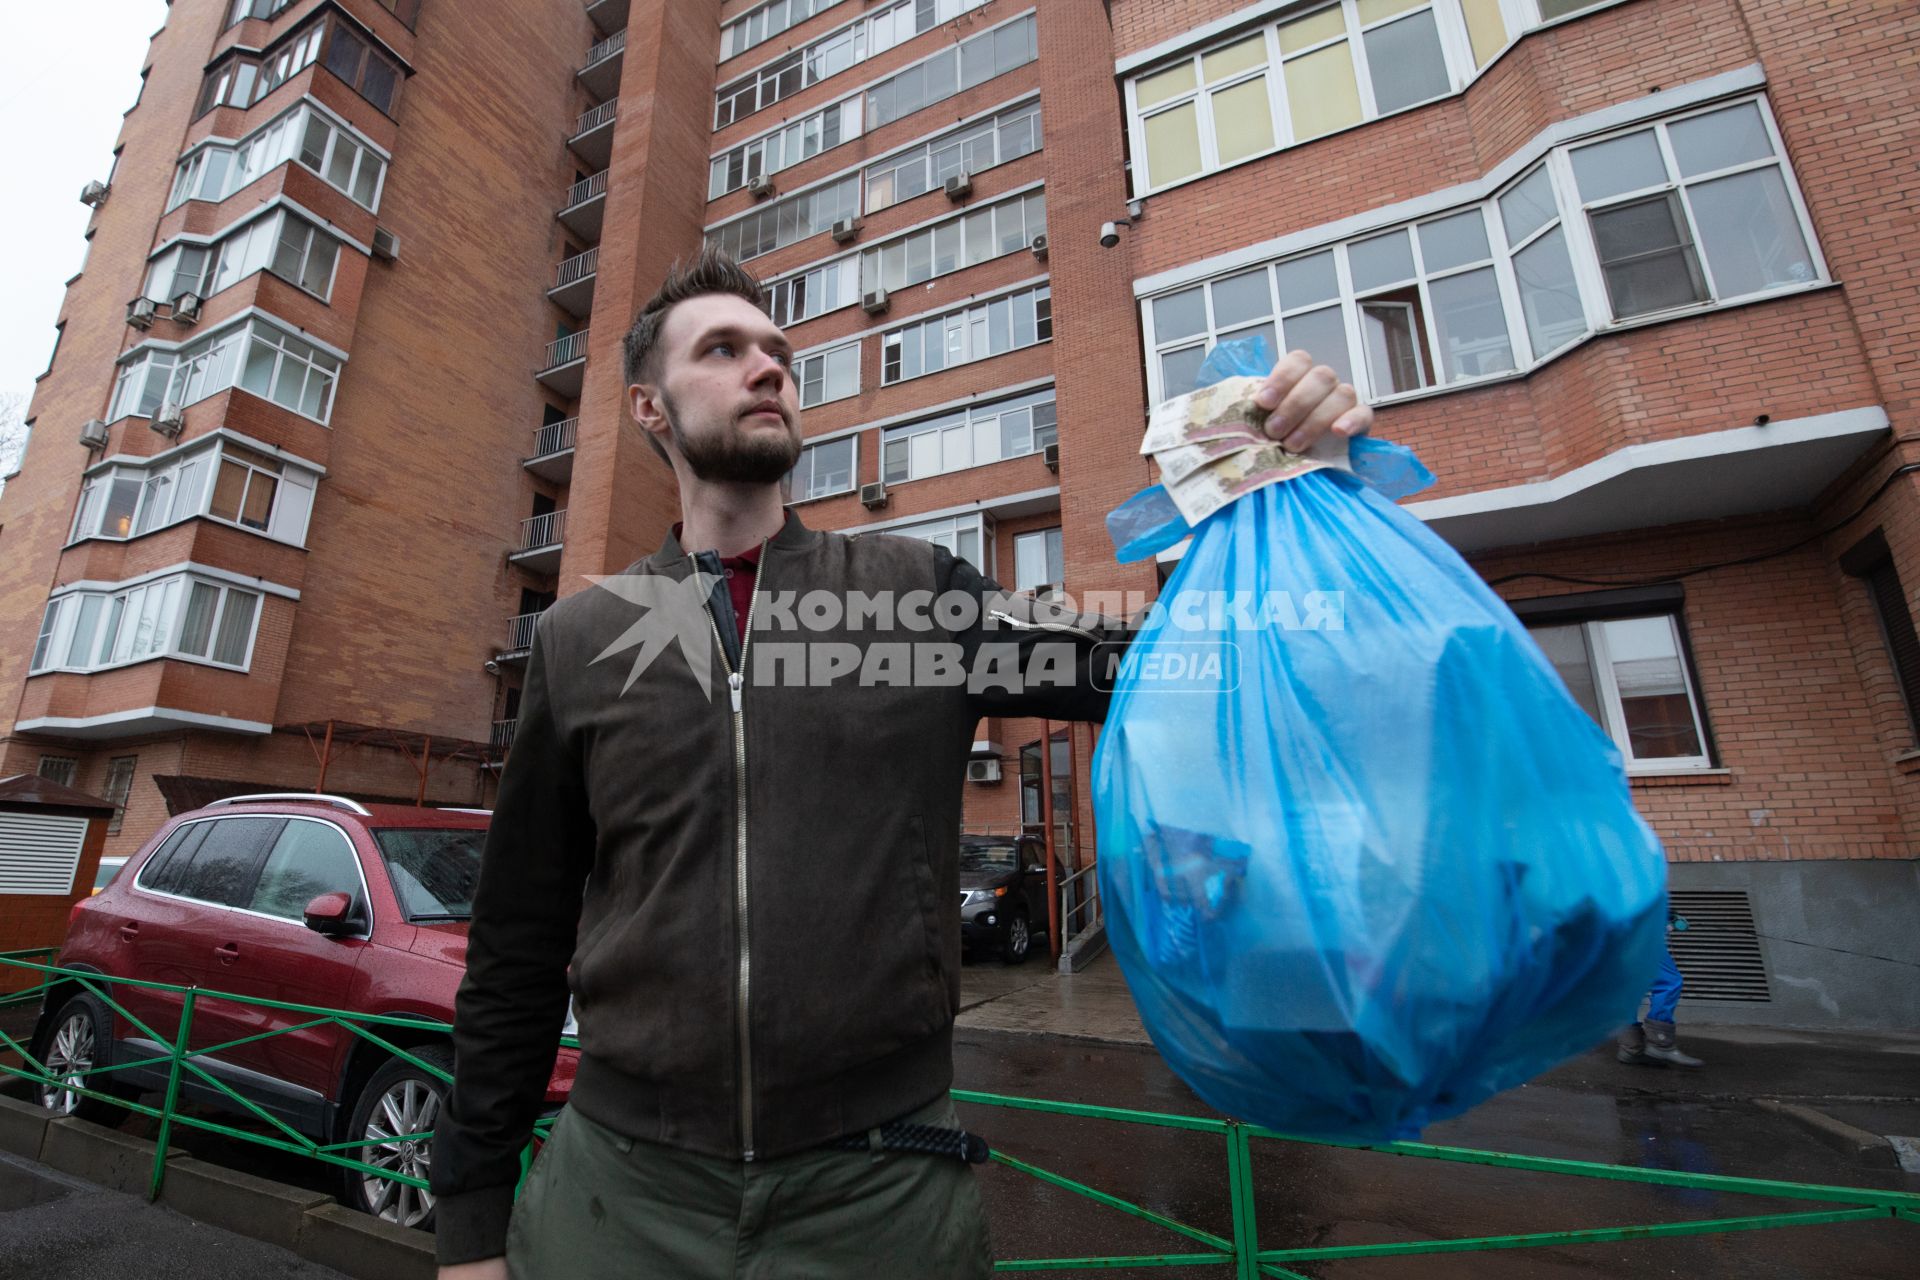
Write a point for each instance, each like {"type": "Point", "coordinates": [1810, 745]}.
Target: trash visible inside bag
{"type": "Point", "coordinates": [1381, 865]}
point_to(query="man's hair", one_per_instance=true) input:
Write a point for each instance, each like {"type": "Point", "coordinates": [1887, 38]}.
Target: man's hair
{"type": "Point", "coordinates": [712, 272]}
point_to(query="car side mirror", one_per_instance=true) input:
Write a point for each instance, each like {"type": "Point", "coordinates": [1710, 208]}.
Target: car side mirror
{"type": "Point", "coordinates": [1037, 869]}
{"type": "Point", "coordinates": [331, 914]}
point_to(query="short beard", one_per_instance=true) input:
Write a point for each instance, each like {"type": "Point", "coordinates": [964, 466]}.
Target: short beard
{"type": "Point", "coordinates": [726, 457]}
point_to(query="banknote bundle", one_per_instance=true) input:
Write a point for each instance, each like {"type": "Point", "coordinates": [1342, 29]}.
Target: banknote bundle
{"type": "Point", "coordinates": [1211, 448]}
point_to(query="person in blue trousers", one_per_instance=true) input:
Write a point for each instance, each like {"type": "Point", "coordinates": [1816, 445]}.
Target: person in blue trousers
{"type": "Point", "coordinates": [1653, 1042]}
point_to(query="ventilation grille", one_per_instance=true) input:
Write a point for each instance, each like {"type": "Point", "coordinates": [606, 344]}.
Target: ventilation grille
{"type": "Point", "coordinates": [1719, 952]}
{"type": "Point", "coordinates": [39, 852]}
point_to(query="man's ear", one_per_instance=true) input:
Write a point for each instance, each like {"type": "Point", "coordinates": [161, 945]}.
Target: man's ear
{"type": "Point", "coordinates": [650, 411]}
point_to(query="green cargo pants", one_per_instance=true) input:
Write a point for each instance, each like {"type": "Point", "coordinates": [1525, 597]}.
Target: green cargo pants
{"type": "Point", "coordinates": [598, 1206]}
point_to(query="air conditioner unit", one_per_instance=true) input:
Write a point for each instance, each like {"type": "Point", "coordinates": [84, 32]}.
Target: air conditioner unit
{"type": "Point", "coordinates": [140, 313]}
{"type": "Point", "coordinates": [960, 185]}
{"type": "Point", "coordinates": [170, 421]}
{"type": "Point", "coordinates": [186, 308]}
{"type": "Point", "coordinates": [94, 193]}
{"type": "Point", "coordinates": [1039, 246]}
{"type": "Point", "coordinates": [760, 186]}
{"type": "Point", "coordinates": [983, 770]}
{"type": "Point", "coordinates": [845, 230]}
{"type": "Point", "coordinates": [94, 434]}
{"type": "Point", "coordinates": [873, 496]}
{"type": "Point", "coordinates": [386, 245]}
{"type": "Point", "coordinates": [1051, 456]}
{"type": "Point", "coordinates": [874, 302]}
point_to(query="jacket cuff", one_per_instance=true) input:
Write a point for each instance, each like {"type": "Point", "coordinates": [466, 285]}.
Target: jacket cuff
{"type": "Point", "coordinates": [471, 1226]}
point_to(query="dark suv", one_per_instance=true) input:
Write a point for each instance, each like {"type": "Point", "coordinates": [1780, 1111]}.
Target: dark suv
{"type": "Point", "coordinates": [1003, 893]}
{"type": "Point", "coordinates": [307, 899]}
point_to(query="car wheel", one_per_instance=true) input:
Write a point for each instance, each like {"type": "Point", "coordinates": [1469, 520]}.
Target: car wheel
{"type": "Point", "coordinates": [75, 1042]}
{"type": "Point", "coordinates": [398, 1101]}
{"type": "Point", "coordinates": [1017, 941]}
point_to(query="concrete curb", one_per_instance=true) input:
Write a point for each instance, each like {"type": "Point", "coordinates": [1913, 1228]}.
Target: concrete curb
{"type": "Point", "coordinates": [309, 1223]}
{"type": "Point", "coordinates": [23, 1127]}
{"type": "Point", "coordinates": [1864, 1148]}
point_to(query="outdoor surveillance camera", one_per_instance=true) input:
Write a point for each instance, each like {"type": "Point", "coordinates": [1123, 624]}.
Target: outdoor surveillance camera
{"type": "Point", "coordinates": [1109, 234]}
{"type": "Point", "coordinates": [1136, 208]}
{"type": "Point", "coordinates": [493, 668]}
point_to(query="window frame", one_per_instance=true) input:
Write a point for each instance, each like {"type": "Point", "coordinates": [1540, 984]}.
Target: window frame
{"type": "Point", "coordinates": [1607, 691]}
{"type": "Point", "coordinates": [979, 523]}
{"type": "Point", "coordinates": [1588, 277]}
{"type": "Point", "coordinates": [971, 419]}
{"type": "Point", "coordinates": [1056, 542]}
{"type": "Point", "coordinates": [126, 606]}
{"type": "Point", "coordinates": [969, 321]}
{"type": "Point", "coordinates": [108, 787]}
{"type": "Point", "coordinates": [795, 498]}
{"type": "Point", "coordinates": [823, 357]}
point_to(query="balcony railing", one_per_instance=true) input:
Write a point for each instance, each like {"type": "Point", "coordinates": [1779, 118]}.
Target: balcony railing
{"type": "Point", "coordinates": [605, 49]}
{"type": "Point", "coordinates": [502, 736]}
{"type": "Point", "coordinates": [586, 189]}
{"type": "Point", "coordinates": [520, 632]}
{"type": "Point", "coordinates": [578, 267]}
{"type": "Point", "coordinates": [555, 437]}
{"type": "Point", "coordinates": [602, 114]}
{"type": "Point", "coordinates": [566, 350]}
{"type": "Point", "coordinates": [543, 531]}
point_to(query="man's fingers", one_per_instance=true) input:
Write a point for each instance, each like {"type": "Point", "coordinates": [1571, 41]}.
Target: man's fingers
{"type": "Point", "coordinates": [1292, 367]}
{"type": "Point", "coordinates": [1318, 422]}
{"type": "Point", "coordinates": [1298, 405]}
{"type": "Point", "coordinates": [1355, 423]}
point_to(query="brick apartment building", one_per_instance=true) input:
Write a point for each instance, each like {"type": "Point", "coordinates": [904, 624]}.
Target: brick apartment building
{"type": "Point", "coordinates": [1633, 276]}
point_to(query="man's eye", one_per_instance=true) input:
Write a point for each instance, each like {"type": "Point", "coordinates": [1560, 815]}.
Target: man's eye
{"type": "Point", "coordinates": [785, 358]}
{"type": "Point", "coordinates": [724, 348]}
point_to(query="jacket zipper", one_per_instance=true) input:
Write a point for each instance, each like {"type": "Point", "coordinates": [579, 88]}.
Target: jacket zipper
{"type": "Point", "coordinates": [743, 1026]}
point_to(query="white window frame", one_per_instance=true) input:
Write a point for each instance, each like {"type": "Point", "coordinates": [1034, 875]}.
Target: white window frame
{"type": "Point", "coordinates": [813, 279]}
{"type": "Point", "coordinates": [840, 196]}
{"type": "Point", "coordinates": [218, 361]}
{"type": "Point", "coordinates": [158, 602]}
{"type": "Point", "coordinates": [784, 146]}
{"type": "Point", "coordinates": [946, 531]}
{"type": "Point", "coordinates": [795, 497]}
{"type": "Point", "coordinates": [1607, 691]}
{"type": "Point", "coordinates": [285, 135]}
{"type": "Point", "coordinates": [1519, 17]}
{"type": "Point", "coordinates": [288, 519]}
{"type": "Point", "coordinates": [966, 331]}
{"type": "Point", "coordinates": [988, 127]}
{"type": "Point", "coordinates": [872, 271]}
{"type": "Point", "coordinates": [1587, 273]}
{"type": "Point", "coordinates": [1020, 538]}
{"type": "Point", "coordinates": [758, 25]}
{"type": "Point", "coordinates": [958, 53]}
{"type": "Point", "coordinates": [823, 358]}
{"type": "Point", "coordinates": [970, 421]}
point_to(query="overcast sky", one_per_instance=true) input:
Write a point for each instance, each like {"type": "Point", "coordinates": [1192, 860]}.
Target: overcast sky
{"type": "Point", "coordinates": [66, 76]}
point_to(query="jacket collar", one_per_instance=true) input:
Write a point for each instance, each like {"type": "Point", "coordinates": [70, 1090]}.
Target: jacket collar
{"type": "Point", "coordinates": [793, 536]}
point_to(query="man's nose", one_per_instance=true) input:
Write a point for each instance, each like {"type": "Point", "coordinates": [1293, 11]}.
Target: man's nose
{"type": "Point", "coordinates": [766, 369]}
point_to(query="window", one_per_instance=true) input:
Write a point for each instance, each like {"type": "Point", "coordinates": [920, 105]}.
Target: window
{"type": "Point", "coordinates": [788, 221]}
{"type": "Point", "coordinates": [241, 82]}
{"type": "Point", "coordinates": [814, 292]}
{"type": "Point", "coordinates": [58, 769]}
{"type": "Point", "coordinates": [213, 172]}
{"type": "Point", "coordinates": [289, 372]}
{"type": "Point", "coordinates": [823, 469]}
{"type": "Point", "coordinates": [953, 70]}
{"type": "Point", "coordinates": [963, 240]}
{"type": "Point", "coordinates": [365, 69]}
{"type": "Point", "coordinates": [1630, 674]}
{"type": "Point", "coordinates": [261, 358]}
{"type": "Point", "coordinates": [180, 615]}
{"type": "Point", "coordinates": [162, 872]}
{"type": "Point", "coordinates": [118, 786]}
{"type": "Point", "coordinates": [831, 54]}
{"type": "Point", "coordinates": [1037, 560]}
{"type": "Point", "coordinates": [1692, 210]}
{"type": "Point", "coordinates": [1310, 73]}
{"type": "Point", "coordinates": [766, 22]}
{"type": "Point", "coordinates": [309, 859]}
{"type": "Point", "coordinates": [974, 333]}
{"type": "Point", "coordinates": [828, 375]}
{"type": "Point", "coordinates": [974, 149]}
{"type": "Point", "coordinates": [969, 437]}
{"type": "Point", "coordinates": [255, 9]}
{"type": "Point", "coordinates": [304, 255]}
{"type": "Point", "coordinates": [243, 488]}
{"type": "Point", "coordinates": [784, 147]}
{"type": "Point", "coordinates": [179, 269]}
{"type": "Point", "coordinates": [227, 863]}
{"type": "Point", "coordinates": [968, 537]}
{"type": "Point", "coordinates": [1871, 561]}
{"type": "Point", "coordinates": [1508, 283]}
{"type": "Point", "coordinates": [297, 251]}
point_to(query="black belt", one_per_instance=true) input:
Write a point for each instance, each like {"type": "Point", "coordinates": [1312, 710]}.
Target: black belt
{"type": "Point", "coordinates": [923, 1139]}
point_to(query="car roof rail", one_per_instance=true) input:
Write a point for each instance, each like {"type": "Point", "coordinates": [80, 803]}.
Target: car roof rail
{"type": "Point", "coordinates": [310, 797]}
{"type": "Point", "coordinates": [454, 808]}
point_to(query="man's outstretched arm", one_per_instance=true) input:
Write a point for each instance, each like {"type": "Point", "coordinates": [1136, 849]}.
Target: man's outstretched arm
{"type": "Point", "coordinates": [513, 1001]}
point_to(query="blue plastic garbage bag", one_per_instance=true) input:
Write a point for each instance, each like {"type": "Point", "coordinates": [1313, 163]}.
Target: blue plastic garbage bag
{"type": "Point", "coordinates": [1371, 863]}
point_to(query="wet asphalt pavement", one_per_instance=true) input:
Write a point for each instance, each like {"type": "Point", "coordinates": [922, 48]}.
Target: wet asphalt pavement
{"type": "Point", "coordinates": [1590, 1109]}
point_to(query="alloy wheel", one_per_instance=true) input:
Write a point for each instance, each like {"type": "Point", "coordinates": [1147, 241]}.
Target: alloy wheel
{"type": "Point", "coordinates": [407, 1108]}
{"type": "Point", "coordinates": [70, 1057]}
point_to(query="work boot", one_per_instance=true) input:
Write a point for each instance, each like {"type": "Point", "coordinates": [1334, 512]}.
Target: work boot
{"type": "Point", "coordinates": [1663, 1047]}
{"type": "Point", "coordinates": [1633, 1046]}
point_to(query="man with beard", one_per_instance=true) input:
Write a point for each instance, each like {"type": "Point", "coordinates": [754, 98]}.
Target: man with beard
{"type": "Point", "coordinates": [751, 897]}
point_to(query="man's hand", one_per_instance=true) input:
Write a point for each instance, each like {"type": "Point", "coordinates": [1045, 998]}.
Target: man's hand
{"type": "Point", "coordinates": [1306, 400]}
{"type": "Point", "coordinates": [485, 1269]}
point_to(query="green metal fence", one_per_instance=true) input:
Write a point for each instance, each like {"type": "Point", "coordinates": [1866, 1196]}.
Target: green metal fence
{"type": "Point", "coordinates": [1240, 1251]}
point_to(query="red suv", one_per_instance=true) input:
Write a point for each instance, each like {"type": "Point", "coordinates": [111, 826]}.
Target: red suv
{"type": "Point", "coordinates": [306, 899]}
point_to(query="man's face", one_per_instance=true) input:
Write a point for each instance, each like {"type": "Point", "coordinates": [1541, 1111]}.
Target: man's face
{"type": "Point", "coordinates": [726, 391]}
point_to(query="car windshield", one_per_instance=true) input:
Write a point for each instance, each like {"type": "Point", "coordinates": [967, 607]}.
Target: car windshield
{"type": "Point", "coordinates": [983, 855]}
{"type": "Point", "coordinates": [433, 870]}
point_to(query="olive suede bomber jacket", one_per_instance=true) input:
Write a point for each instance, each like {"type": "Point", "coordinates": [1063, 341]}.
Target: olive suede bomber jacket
{"type": "Point", "coordinates": [690, 863]}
